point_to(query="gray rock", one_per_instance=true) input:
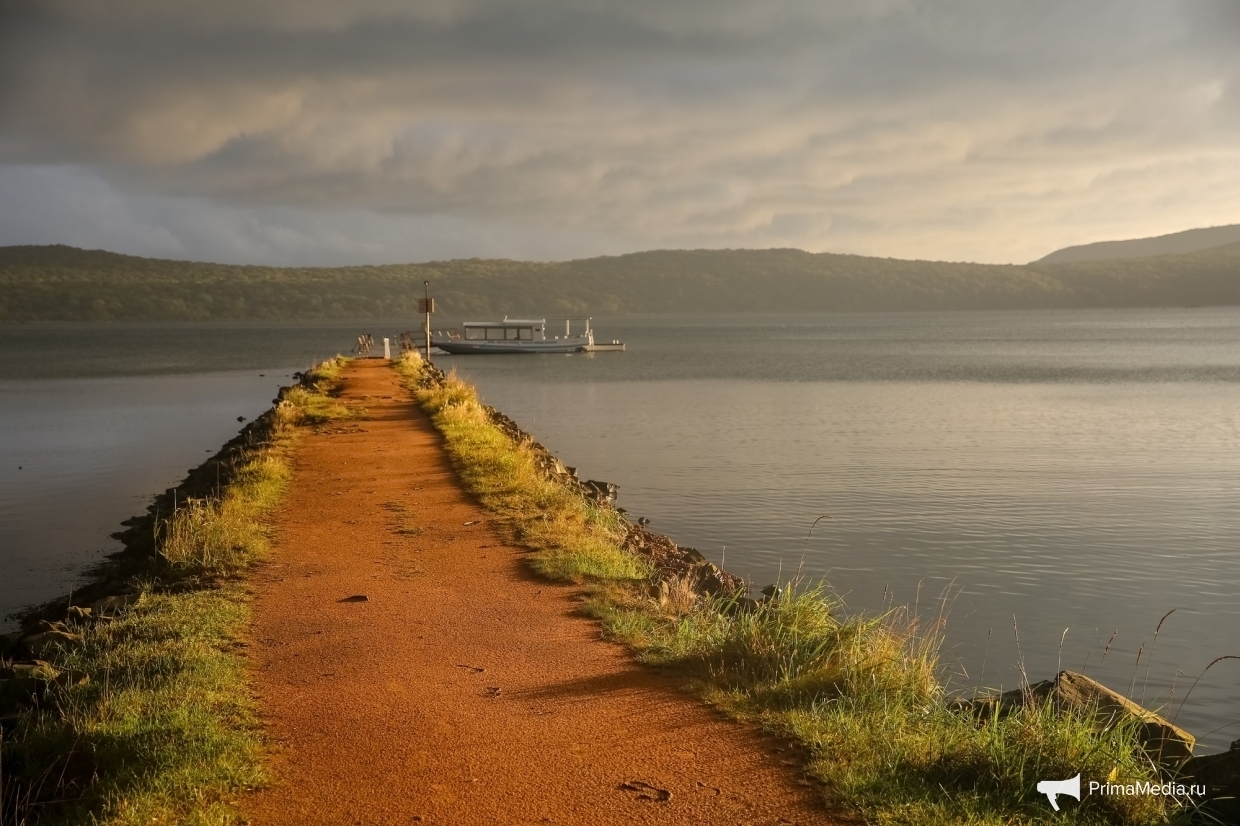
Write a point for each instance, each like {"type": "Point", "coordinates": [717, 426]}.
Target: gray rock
{"type": "Point", "coordinates": [602, 490]}
{"type": "Point", "coordinates": [8, 642]}
{"type": "Point", "coordinates": [1076, 693]}
{"type": "Point", "coordinates": [38, 626]}
{"type": "Point", "coordinates": [1214, 769]}
{"type": "Point", "coordinates": [693, 555]}
{"type": "Point", "coordinates": [37, 670]}
{"type": "Point", "coordinates": [1165, 742]}
{"type": "Point", "coordinates": [24, 684]}
{"type": "Point", "coordinates": [986, 706]}
{"type": "Point", "coordinates": [45, 643]}
{"type": "Point", "coordinates": [1220, 774]}
{"type": "Point", "coordinates": [71, 677]}
{"type": "Point", "coordinates": [110, 606]}
{"type": "Point", "coordinates": [742, 605]}
{"type": "Point", "coordinates": [708, 578]}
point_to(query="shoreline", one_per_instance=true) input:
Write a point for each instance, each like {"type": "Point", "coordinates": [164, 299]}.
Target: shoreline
{"type": "Point", "coordinates": [125, 701]}
{"type": "Point", "coordinates": [641, 610]}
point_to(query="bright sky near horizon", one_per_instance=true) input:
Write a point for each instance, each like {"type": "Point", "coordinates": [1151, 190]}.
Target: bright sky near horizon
{"type": "Point", "coordinates": [376, 131]}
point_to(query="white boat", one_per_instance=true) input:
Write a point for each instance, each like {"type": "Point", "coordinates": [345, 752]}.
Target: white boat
{"type": "Point", "coordinates": [521, 335]}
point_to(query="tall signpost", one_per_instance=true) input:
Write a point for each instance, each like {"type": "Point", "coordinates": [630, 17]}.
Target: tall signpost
{"type": "Point", "coordinates": [427, 306]}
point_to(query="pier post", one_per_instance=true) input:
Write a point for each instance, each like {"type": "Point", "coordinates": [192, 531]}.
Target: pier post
{"type": "Point", "coordinates": [429, 308]}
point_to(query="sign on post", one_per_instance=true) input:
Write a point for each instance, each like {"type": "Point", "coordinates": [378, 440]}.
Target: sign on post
{"type": "Point", "coordinates": [426, 305]}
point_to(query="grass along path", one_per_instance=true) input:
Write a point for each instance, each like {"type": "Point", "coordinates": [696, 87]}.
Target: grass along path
{"type": "Point", "coordinates": [162, 727]}
{"type": "Point", "coordinates": [860, 693]}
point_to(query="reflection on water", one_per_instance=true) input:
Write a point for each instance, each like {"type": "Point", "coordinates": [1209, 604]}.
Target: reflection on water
{"type": "Point", "coordinates": [1054, 470]}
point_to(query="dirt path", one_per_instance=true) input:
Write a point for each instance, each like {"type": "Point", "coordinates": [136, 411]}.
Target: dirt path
{"type": "Point", "coordinates": [463, 691]}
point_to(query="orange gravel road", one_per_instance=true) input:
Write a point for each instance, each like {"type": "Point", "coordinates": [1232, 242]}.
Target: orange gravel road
{"type": "Point", "coordinates": [463, 690]}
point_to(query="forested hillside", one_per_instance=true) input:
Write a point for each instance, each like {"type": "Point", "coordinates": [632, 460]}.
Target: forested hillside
{"type": "Point", "coordinates": [1176, 243]}
{"type": "Point", "coordinates": [65, 283]}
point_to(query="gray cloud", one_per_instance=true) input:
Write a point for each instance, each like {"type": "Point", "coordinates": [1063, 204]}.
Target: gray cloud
{"type": "Point", "coordinates": [963, 129]}
{"type": "Point", "coordinates": [68, 205]}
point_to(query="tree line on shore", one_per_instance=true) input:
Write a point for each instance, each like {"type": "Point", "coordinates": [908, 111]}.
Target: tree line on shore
{"type": "Point", "coordinates": [60, 283]}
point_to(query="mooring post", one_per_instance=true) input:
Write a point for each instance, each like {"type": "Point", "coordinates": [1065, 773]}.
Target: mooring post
{"type": "Point", "coordinates": [428, 307]}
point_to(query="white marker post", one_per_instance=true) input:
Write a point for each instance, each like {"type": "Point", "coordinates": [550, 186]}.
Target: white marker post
{"type": "Point", "coordinates": [387, 349]}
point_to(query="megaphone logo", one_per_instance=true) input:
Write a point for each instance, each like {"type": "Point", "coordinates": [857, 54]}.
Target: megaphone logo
{"type": "Point", "coordinates": [1053, 788]}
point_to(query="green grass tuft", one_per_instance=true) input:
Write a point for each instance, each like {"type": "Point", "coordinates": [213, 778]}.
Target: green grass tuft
{"type": "Point", "coordinates": [314, 402]}
{"type": "Point", "coordinates": [226, 534]}
{"type": "Point", "coordinates": [163, 732]}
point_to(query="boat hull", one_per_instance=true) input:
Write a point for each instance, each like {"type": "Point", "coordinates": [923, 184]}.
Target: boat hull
{"type": "Point", "coordinates": [461, 347]}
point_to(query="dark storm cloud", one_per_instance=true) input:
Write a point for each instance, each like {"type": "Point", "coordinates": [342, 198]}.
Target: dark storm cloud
{"type": "Point", "coordinates": [985, 129]}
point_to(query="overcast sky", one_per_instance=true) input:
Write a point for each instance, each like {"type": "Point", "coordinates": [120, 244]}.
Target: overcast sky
{"type": "Point", "coordinates": [314, 132]}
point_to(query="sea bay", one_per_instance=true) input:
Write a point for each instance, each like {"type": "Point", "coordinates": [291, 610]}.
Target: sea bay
{"type": "Point", "coordinates": [1061, 477]}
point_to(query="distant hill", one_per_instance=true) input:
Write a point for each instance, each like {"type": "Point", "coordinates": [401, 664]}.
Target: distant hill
{"type": "Point", "coordinates": [1177, 243]}
{"type": "Point", "coordinates": [69, 284]}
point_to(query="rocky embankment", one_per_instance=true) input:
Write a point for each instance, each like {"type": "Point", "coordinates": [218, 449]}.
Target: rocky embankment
{"type": "Point", "coordinates": [669, 560]}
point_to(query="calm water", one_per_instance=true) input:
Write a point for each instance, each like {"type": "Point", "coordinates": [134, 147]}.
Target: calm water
{"type": "Point", "coordinates": [1071, 470]}
{"type": "Point", "coordinates": [1043, 471]}
{"type": "Point", "coordinates": [96, 418]}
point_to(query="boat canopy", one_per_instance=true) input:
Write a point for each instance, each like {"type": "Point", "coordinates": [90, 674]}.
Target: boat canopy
{"type": "Point", "coordinates": [521, 335]}
{"type": "Point", "coordinates": [509, 322]}
{"type": "Point", "coordinates": [520, 329]}
{"type": "Point", "coordinates": [510, 329]}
